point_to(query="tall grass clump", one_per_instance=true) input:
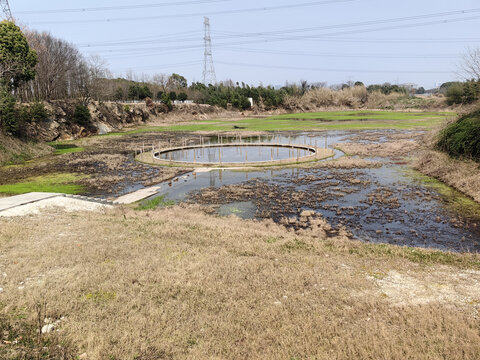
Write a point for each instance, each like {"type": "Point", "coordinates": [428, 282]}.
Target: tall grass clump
{"type": "Point", "coordinates": [462, 138]}
{"type": "Point", "coordinates": [356, 97]}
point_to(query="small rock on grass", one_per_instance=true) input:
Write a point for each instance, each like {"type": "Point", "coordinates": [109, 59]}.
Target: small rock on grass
{"type": "Point", "coordinates": [48, 328]}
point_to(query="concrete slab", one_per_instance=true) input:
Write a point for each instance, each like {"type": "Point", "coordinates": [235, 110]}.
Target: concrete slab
{"type": "Point", "coordinates": [17, 200]}
{"type": "Point", "coordinates": [138, 195]}
{"type": "Point", "coordinates": [57, 202]}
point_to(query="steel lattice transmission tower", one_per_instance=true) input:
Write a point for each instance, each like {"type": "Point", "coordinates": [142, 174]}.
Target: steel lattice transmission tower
{"type": "Point", "coordinates": [7, 13]}
{"type": "Point", "coordinates": [208, 68]}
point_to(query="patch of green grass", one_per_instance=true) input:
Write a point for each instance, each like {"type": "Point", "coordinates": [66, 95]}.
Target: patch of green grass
{"type": "Point", "coordinates": [66, 148]}
{"type": "Point", "coordinates": [362, 115]}
{"type": "Point", "coordinates": [418, 255]}
{"type": "Point", "coordinates": [151, 204]}
{"type": "Point", "coordinates": [452, 197]}
{"type": "Point", "coordinates": [271, 240]}
{"type": "Point", "coordinates": [19, 159]}
{"type": "Point", "coordinates": [100, 296]}
{"type": "Point", "coordinates": [58, 183]}
{"type": "Point", "coordinates": [295, 245]}
{"type": "Point", "coordinates": [328, 120]}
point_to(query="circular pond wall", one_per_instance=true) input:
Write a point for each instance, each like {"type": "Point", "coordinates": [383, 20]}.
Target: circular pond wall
{"type": "Point", "coordinates": [236, 154]}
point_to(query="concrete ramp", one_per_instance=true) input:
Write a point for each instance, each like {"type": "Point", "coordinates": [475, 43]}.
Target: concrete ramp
{"type": "Point", "coordinates": [35, 202]}
{"type": "Point", "coordinates": [17, 200]}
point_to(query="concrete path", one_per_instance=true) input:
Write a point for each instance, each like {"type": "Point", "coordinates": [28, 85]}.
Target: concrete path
{"type": "Point", "coordinates": [17, 200]}
{"type": "Point", "coordinates": [35, 202]}
{"type": "Point", "coordinates": [138, 195]}
{"type": "Point", "coordinates": [147, 192]}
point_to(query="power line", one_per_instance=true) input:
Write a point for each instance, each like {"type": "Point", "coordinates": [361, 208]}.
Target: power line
{"type": "Point", "coordinates": [271, 36]}
{"type": "Point", "coordinates": [335, 70]}
{"type": "Point", "coordinates": [164, 66]}
{"type": "Point", "coordinates": [223, 12]}
{"type": "Point", "coordinates": [358, 24]}
{"type": "Point", "coordinates": [151, 49]}
{"type": "Point", "coordinates": [120, 7]}
{"type": "Point", "coordinates": [334, 55]}
{"type": "Point", "coordinates": [178, 37]}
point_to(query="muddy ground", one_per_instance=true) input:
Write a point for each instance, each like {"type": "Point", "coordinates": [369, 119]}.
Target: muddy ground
{"type": "Point", "coordinates": [361, 194]}
{"type": "Point", "coordinates": [368, 195]}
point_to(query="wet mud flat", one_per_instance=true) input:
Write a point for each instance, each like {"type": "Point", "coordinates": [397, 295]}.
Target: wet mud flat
{"type": "Point", "coordinates": [384, 203]}
{"type": "Point", "coordinates": [108, 162]}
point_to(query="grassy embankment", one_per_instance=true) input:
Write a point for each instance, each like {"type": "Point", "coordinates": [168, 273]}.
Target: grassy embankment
{"type": "Point", "coordinates": [56, 183]}
{"type": "Point", "coordinates": [462, 138]}
{"type": "Point", "coordinates": [456, 162]}
{"type": "Point", "coordinates": [179, 284]}
{"type": "Point", "coordinates": [15, 151]}
{"type": "Point", "coordinates": [338, 120]}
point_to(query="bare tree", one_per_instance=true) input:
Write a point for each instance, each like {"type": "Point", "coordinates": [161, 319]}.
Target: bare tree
{"type": "Point", "coordinates": [63, 72]}
{"type": "Point", "coordinates": [161, 80]}
{"type": "Point", "coordinates": [470, 67]}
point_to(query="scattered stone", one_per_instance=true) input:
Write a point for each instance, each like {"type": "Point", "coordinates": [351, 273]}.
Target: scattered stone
{"type": "Point", "coordinates": [48, 328]}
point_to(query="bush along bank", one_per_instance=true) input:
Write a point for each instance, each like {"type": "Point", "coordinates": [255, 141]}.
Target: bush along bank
{"type": "Point", "coordinates": [462, 138]}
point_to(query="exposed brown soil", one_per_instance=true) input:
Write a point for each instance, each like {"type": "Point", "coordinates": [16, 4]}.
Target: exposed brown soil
{"type": "Point", "coordinates": [386, 149]}
{"type": "Point", "coordinates": [109, 162]}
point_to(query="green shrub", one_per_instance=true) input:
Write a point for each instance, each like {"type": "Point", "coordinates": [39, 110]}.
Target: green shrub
{"type": "Point", "coordinates": [172, 95]}
{"type": "Point", "coordinates": [8, 118]}
{"type": "Point", "coordinates": [462, 138]}
{"type": "Point", "coordinates": [182, 96]}
{"type": "Point", "coordinates": [463, 93]}
{"type": "Point", "coordinates": [82, 115]}
{"type": "Point", "coordinates": [38, 111]}
{"type": "Point", "coordinates": [455, 94]}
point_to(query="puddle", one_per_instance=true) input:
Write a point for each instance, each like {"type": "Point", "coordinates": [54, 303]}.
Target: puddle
{"type": "Point", "coordinates": [244, 210]}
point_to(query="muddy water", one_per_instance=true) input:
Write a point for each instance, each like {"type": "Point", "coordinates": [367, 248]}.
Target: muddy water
{"type": "Point", "coordinates": [390, 204]}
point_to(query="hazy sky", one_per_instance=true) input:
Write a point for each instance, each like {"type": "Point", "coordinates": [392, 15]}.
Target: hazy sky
{"type": "Point", "coordinates": [272, 41]}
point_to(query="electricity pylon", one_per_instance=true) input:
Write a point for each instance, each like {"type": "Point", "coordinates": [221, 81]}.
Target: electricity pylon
{"type": "Point", "coordinates": [7, 13]}
{"type": "Point", "coordinates": [208, 68]}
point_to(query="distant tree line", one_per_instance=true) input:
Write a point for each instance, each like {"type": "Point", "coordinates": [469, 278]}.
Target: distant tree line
{"type": "Point", "coordinates": [466, 92]}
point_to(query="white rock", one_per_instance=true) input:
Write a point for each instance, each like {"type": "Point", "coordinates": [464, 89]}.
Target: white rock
{"type": "Point", "coordinates": [48, 328]}
{"type": "Point", "coordinates": [1, 290]}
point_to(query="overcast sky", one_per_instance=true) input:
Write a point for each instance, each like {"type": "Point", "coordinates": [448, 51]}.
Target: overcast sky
{"type": "Point", "coordinates": [272, 41]}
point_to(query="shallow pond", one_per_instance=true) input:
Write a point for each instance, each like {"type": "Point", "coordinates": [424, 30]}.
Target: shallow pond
{"type": "Point", "coordinates": [389, 204]}
{"type": "Point", "coordinates": [234, 154]}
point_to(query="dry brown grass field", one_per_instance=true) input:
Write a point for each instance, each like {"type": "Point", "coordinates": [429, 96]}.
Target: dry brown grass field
{"type": "Point", "coordinates": [177, 283]}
